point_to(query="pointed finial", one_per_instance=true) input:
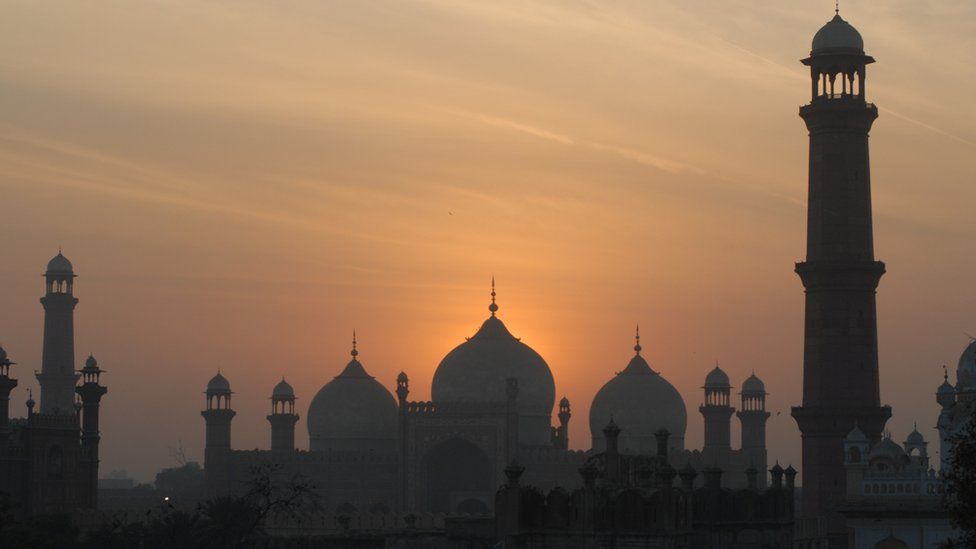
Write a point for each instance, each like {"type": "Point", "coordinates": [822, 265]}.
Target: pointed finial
{"type": "Point", "coordinates": [836, 7]}
{"type": "Point", "coordinates": [637, 345]}
{"type": "Point", "coordinates": [354, 352]}
{"type": "Point", "coordinates": [493, 307]}
{"type": "Point", "coordinates": [945, 373]}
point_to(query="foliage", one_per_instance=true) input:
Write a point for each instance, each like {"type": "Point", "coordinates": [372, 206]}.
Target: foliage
{"type": "Point", "coordinates": [232, 521]}
{"type": "Point", "coordinates": [960, 483]}
{"type": "Point", "coordinates": [184, 484]}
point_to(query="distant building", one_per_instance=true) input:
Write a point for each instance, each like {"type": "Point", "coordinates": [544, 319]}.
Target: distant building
{"type": "Point", "coordinates": [49, 460]}
{"type": "Point", "coordinates": [894, 496]}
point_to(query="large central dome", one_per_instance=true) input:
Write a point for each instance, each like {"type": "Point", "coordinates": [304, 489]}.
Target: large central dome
{"type": "Point", "coordinates": [478, 369]}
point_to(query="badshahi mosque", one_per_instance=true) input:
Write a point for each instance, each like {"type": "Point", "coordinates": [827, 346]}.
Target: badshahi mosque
{"type": "Point", "coordinates": [372, 449]}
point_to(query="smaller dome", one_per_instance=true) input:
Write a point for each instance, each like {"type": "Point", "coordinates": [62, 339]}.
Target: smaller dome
{"type": "Point", "coordinates": [91, 363]}
{"type": "Point", "coordinates": [564, 403]}
{"type": "Point", "coordinates": [402, 377]}
{"type": "Point", "coordinates": [946, 394]}
{"type": "Point", "coordinates": [838, 36]}
{"type": "Point", "coordinates": [753, 386]}
{"type": "Point", "coordinates": [59, 265]}
{"type": "Point", "coordinates": [283, 390]}
{"type": "Point", "coordinates": [856, 435]}
{"type": "Point", "coordinates": [717, 379]}
{"type": "Point", "coordinates": [887, 448]}
{"type": "Point", "coordinates": [218, 384]}
{"type": "Point", "coordinates": [915, 438]}
{"type": "Point", "coordinates": [3, 354]}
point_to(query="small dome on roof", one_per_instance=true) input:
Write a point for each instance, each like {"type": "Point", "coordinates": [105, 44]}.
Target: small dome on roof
{"type": "Point", "coordinates": [856, 435]}
{"type": "Point", "coordinates": [915, 437]}
{"type": "Point", "coordinates": [3, 354]}
{"type": "Point", "coordinates": [564, 402]}
{"type": "Point", "coordinates": [283, 390]}
{"type": "Point", "coordinates": [91, 363]}
{"type": "Point", "coordinates": [946, 394]}
{"type": "Point", "coordinates": [753, 386]}
{"type": "Point", "coordinates": [838, 36]}
{"type": "Point", "coordinates": [717, 379]}
{"type": "Point", "coordinates": [218, 384]}
{"type": "Point", "coordinates": [887, 449]}
{"type": "Point", "coordinates": [59, 265]}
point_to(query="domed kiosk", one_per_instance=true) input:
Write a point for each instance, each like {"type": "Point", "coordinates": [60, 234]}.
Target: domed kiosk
{"type": "Point", "coordinates": [837, 36]}
{"type": "Point", "coordinates": [640, 402]}
{"type": "Point", "coordinates": [352, 412]}
{"type": "Point", "coordinates": [478, 370]}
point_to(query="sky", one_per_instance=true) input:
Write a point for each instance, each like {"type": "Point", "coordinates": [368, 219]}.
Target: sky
{"type": "Point", "coordinates": [240, 184]}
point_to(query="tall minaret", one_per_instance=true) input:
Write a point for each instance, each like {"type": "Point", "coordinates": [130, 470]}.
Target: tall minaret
{"type": "Point", "coordinates": [58, 377]}
{"type": "Point", "coordinates": [840, 274]}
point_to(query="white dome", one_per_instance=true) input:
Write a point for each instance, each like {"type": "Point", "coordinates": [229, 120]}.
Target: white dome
{"type": "Point", "coordinates": [640, 402]}
{"type": "Point", "coordinates": [838, 36]}
{"type": "Point", "coordinates": [478, 369]}
{"type": "Point", "coordinates": [352, 412]}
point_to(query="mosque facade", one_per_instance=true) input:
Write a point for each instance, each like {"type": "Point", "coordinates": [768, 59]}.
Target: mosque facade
{"type": "Point", "coordinates": [372, 449]}
{"type": "Point", "coordinates": [49, 459]}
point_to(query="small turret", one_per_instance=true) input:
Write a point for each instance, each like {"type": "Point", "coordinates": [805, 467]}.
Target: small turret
{"type": "Point", "coordinates": [283, 417]}
{"type": "Point", "coordinates": [91, 392]}
{"type": "Point", "coordinates": [560, 434]}
{"type": "Point", "coordinates": [717, 412]}
{"type": "Point", "coordinates": [7, 384]}
{"type": "Point", "coordinates": [218, 415]}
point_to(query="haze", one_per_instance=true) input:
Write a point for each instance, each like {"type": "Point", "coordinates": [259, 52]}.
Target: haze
{"type": "Point", "coordinates": [241, 184]}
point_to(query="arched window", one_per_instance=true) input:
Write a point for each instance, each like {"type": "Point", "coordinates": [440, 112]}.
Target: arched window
{"type": "Point", "coordinates": [854, 455]}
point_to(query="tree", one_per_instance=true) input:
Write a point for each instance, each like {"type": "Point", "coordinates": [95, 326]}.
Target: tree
{"type": "Point", "coordinates": [960, 482]}
{"type": "Point", "coordinates": [184, 485]}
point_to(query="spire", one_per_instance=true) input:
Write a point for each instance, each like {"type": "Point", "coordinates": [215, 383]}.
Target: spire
{"type": "Point", "coordinates": [493, 307]}
{"type": "Point", "coordinates": [354, 352]}
{"type": "Point", "coordinates": [637, 345]}
{"type": "Point", "coordinates": [836, 7]}
{"type": "Point", "coordinates": [945, 374]}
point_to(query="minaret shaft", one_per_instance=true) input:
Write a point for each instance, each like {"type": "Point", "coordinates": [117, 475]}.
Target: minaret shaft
{"type": "Point", "coordinates": [840, 276]}
{"type": "Point", "coordinates": [57, 377]}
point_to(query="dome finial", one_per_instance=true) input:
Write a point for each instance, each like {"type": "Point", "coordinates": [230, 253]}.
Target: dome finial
{"type": "Point", "coordinates": [354, 352]}
{"type": "Point", "coordinates": [493, 307]}
{"type": "Point", "coordinates": [945, 373]}
{"type": "Point", "coordinates": [836, 7]}
{"type": "Point", "coordinates": [637, 345]}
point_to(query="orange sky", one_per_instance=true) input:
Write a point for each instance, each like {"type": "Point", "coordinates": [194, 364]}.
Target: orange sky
{"type": "Point", "coordinates": [240, 184]}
